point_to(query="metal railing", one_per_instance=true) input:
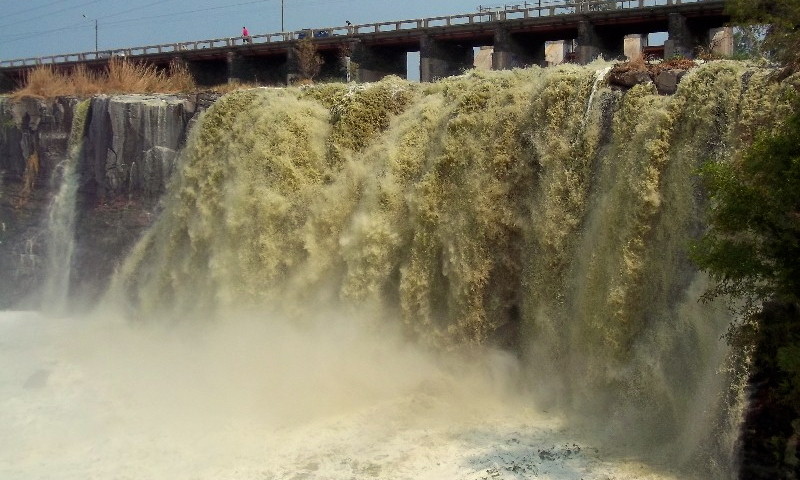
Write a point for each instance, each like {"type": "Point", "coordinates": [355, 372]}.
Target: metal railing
{"type": "Point", "coordinates": [539, 9]}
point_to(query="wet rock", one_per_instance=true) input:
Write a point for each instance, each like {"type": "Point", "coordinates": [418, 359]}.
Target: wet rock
{"type": "Point", "coordinates": [131, 146]}
{"type": "Point", "coordinates": [665, 75]}
{"type": "Point", "coordinates": [628, 78]}
{"type": "Point", "coordinates": [667, 81]}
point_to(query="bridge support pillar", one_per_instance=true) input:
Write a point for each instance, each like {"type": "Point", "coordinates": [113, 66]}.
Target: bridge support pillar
{"type": "Point", "coordinates": [680, 41]}
{"type": "Point", "coordinates": [592, 44]}
{"type": "Point", "coordinates": [682, 38]}
{"type": "Point", "coordinates": [6, 84]}
{"type": "Point", "coordinates": [263, 70]}
{"type": "Point", "coordinates": [509, 53]}
{"type": "Point", "coordinates": [721, 41]}
{"type": "Point", "coordinates": [232, 63]}
{"type": "Point", "coordinates": [555, 53]}
{"type": "Point", "coordinates": [633, 45]}
{"type": "Point", "coordinates": [374, 63]}
{"type": "Point", "coordinates": [441, 59]}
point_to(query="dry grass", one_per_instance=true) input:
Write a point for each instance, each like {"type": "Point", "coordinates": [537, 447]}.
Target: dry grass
{"type": "Point", "coordinates": [639, 64]}
{"type": "Point", "coordinates": [120, 76]}
{"type": "Point", "coordinates": [224, 88]}
{"type": "Point", "coordinates": [43, 82]}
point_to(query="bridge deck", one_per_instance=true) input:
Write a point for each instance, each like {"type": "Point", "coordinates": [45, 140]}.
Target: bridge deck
{"type": "Point", "coordinates": [545, 16]}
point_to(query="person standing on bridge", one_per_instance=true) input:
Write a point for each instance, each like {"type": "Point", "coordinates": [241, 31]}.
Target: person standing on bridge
{"type": "Point", "coordinates": [245, 35]}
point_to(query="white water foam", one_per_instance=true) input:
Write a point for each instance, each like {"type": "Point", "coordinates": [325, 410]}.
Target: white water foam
{"type": "Point", "coordinates": [84, 398]}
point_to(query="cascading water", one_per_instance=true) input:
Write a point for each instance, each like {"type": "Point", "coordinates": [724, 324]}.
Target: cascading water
{"type": "Point", "coordinates": [60, 229]}
{"type": "Point", "coordinates": [527, 228]}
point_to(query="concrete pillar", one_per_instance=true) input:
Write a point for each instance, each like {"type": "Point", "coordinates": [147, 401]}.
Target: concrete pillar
{"type": "Point", "coordinates": [231, 63]}
{"type": "Point", "coordinates": [6, 84]}
{"type": "Point", "coordinates": [209, 72]}
{"type": "Point", "coordinates": [483, 59]}
{"type": "Point", "coordinates": [634, 46]}
{"type": "Point", "coordinates": [510, 53]}
{"type": "Point", "coordinates": [721, 41]}
{"type": "Point", "coordinates": [555, 52]}
{"type": "Point", "coordinates": [680, 42]}
{"type": "Point", "coordinates": [588, 43]}
{"type": "Point", "coordinates": [591, 44]}
{"type": "Point", "coordinates": [376, 62]}
{"type": "Point", "coordinates": [441, 59]}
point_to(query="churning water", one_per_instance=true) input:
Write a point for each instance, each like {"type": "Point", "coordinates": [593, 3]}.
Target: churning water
{"type": "Point", "coordinates": [482, 278]}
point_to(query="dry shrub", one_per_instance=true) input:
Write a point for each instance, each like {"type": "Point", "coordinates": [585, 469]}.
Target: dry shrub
{"type": "Point", "coordinates": [43, 82]}
{"type": "Point", "coordinates": [677, 63]}
{"type": "Point", "coordinates": [639, 64]}
{"type": "Point", "coordinates": [120, 76]}
{"type": "Point", "coordinates": [124, 76]}
{"type": "Point", "coordinates": [85, 82]}
{"type": "Point", "coordinates": [232, 86]}
{"type": "Point", "coordinates": [635, 64]}
{"type": "Point", "coordinates": [179, 78]}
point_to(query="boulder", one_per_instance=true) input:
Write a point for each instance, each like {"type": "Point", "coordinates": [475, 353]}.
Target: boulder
{"type": "Point", "coordinates": [628, 78]}
{"type": "Point", "coordinates": [667, 80]}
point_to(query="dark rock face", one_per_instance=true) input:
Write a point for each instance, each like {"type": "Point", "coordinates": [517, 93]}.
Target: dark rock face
{"type": "Point", "coordinates": [33, 140]}
{"type": "Point", "coordinates": [131, 147]}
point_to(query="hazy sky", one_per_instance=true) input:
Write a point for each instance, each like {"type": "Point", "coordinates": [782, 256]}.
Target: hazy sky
{"type": "Point", "coordinates": [33, 28]}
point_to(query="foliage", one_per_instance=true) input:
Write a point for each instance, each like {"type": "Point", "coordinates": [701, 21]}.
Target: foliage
{"type": "Point", "coordinates": [308, 60]}
{"type": "Point", "coordinates": [782, 41]}
{"type": "Point", "coordinates": [748, 41]}
{"type": "Point", "coordinates": [753, 247]}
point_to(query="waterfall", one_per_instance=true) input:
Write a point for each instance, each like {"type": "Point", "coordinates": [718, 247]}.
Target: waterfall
{"type": "Point", "coordinates": [60, 231]}
{"type": "Point", "coordinates": [537, 211]}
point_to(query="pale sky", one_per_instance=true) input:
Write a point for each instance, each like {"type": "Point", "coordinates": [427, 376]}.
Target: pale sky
{"type": "Point", "coordinates": [34, 28]}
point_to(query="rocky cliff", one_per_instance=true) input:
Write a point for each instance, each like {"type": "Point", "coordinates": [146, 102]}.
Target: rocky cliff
{"type": "Point", "coordinates": [130, 146]}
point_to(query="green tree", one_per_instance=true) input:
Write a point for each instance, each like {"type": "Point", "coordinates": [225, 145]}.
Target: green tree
{"type": "Point", "coordinates": [748, 41]}
{"type": "Point", "coordinates": [782, 17]}
{"type": "Point", "coordinates": [752, 249]}
{"type": "Point", "coordinates": [753, 246]}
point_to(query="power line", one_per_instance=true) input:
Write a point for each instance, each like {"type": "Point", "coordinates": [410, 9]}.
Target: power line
{"type": "Point", "coordinates": [165, 15]}
{"type": "Point", "coordinates": [28, 35]}
{"type": "Point", "coordinates": [49, 14]}
{"type": "Point", "coordinates": [30, 9]}
{"type": "Point", "coordinates": [157, 2]}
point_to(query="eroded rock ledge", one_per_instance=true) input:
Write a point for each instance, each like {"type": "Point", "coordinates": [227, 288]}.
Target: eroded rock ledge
{"type": "Point", "coordinates": [130, 148]}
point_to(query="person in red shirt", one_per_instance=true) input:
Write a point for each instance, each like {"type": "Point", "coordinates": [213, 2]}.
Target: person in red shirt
{"type": "Point", "coordinates": [246, 35]}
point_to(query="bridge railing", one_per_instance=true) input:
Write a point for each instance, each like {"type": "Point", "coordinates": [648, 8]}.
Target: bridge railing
{"type": "Point", "coordinates": [508, 12]}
